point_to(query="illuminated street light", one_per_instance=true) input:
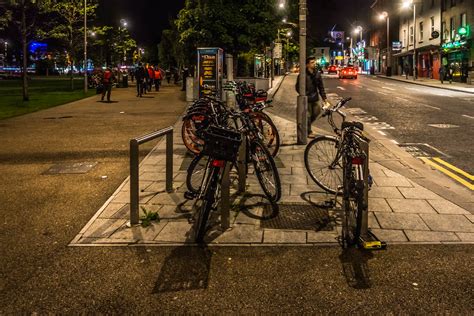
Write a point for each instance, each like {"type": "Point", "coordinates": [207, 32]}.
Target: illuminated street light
{"type": "Point", "coordinates": [406, 5]}
{"type": "Point", "coordinates": [382, 16]}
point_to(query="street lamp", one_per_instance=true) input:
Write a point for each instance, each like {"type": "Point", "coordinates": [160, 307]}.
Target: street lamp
{"type": "Point", "coordinates": [302, 101]}
{"type": "Point", "coordinates": [406, 4]}
{"type": "Point", "coordinates": [85, 46]}
{"type": "Point", "coordinates": [351, 56]}
{"type": "Point", "coordinates": [124, 24]}
{"type": "Point", "coordinates": [384, 15]}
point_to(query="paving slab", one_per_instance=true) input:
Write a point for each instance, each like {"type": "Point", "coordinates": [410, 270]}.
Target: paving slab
{"type": "Point", "coordinates": [421, 235]}
{"type": "Point", "coordinates": [467, 237]}
{"type": "Point", "coordinates": [274, 236]}
{"type": "Point", "coordinates": [401, 221]}
{"type": "Point", "coordinates": [410, 206]}
{"type": "Point", "coordinates": [447, 207]}
{"type": "Point", "coordinates": [390, 235]}
{"type": "Point", "coordinates": [452, 223]}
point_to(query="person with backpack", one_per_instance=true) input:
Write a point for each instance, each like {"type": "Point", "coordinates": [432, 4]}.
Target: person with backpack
{"type": "Point", "coordinates": [314, 89]}
{"type": "Point", "coordinates": [107, 81]}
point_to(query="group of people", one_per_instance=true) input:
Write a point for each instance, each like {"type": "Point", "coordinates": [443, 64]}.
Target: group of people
{"type": "Point", "coordinates": [146, 77]}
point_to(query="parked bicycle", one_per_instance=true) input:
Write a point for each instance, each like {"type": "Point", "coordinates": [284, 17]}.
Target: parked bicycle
{"type": "Point", "coordinates": [338, 163]}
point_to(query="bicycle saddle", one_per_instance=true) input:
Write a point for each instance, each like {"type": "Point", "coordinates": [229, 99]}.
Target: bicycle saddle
{"type": "Point", "coordinates": [357, 125]}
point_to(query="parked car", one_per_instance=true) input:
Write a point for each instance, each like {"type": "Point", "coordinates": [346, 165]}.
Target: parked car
{"type": "Point", "coordinates": [332, 69]}
{"type": "Point", "coordinates": [348, 72]}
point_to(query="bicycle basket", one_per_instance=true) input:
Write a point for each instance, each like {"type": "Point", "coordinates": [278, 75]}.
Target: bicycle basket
{"type": "Point", "coordinates": [221, 143]}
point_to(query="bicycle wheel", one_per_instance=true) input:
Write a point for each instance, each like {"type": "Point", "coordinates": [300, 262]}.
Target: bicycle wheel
{"type": "Point", "coordinates": [353, 203]}
{"type": "Point", "coordinates": [271, 137]}
{"type": "Point", "coordinates": [204, 211]}
{"type": "Point", "coordinates": [196, 172]}
{"type": "Point", "coordinates": [266, 170]}
{"type": "Point", "coordinates": [321, 164]}
{"type": "Point", "coordinates": [188, 133]}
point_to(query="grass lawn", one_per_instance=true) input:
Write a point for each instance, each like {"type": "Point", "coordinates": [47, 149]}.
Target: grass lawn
{"type": "Point", "coordinates": [43, 92]}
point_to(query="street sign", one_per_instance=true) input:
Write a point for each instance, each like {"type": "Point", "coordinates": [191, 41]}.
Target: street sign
{"type": "Point", "coordinates": [435, 34]}
{"type": "Point", "coordinates": [277, 50]}
{"type": "Point", "coordinates": [397, 46]}
{"type": "Point", "coordinates": [210, 63]}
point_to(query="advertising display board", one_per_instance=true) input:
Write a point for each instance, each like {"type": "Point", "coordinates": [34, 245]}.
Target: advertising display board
{"type": "Point", "coordinates": [210, 70]}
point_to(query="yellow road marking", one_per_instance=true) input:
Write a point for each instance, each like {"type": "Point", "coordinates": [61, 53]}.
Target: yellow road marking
{"type": "Point", "coordinates": [448, 173]}
{"type": "Point", "coordinates": [450, 166]}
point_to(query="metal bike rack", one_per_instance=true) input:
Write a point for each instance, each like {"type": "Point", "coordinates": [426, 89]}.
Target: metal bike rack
{"type": "Point", "coordinates": [134, 181]}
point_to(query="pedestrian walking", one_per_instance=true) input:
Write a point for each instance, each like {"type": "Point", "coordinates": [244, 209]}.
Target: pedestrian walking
{"type": "Point", "coordinates": [176, 75]}
{"type": "Point", "coordinates": [108, 78]}
{"type": "Point", "coordinates": [158, 77]}
{"type": "Point", "coordinates": [168, 75]}
{"type": "Point", "coordinates": [314, 89]}
{"type": "Point", "coordinates": [140, 77]}
{"type": "Point", "coordinates": [442, 73]}
{"type": "Point", "coordinates": [185, 75]}
{"type": "Point", "coordinates": [451, 72]}
{"type": "Point", "coordinates": [151, 77]}
{"type": "Point", "coordinates": [407, 70]}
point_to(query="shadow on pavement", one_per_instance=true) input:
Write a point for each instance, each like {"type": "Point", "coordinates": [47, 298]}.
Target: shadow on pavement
{"type": "Point", "coordinates": [257, 206]}
{"type": "Point", "coordinates": [186, 268]}
{"type": "Point", "coordinates": [355, 267]}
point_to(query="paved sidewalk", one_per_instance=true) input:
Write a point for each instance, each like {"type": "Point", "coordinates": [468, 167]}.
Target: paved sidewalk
{"type": "Point", "coordinates": [400, 209]}
{"type": "Point", "coordinates": [454, 86]}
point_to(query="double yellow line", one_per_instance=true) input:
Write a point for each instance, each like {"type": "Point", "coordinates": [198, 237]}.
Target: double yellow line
{"type": "Point", "coordinates": [447, 168]}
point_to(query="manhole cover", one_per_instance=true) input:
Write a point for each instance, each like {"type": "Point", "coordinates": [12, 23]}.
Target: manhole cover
{"type": "Point", "coordinates": [304, 217]}
{"type": "Point", "coordinates": [443, 125]}
{"type": "Point", "coordinates": [75, 167]}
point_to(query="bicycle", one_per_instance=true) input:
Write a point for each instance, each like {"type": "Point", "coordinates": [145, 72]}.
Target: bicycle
{"type": "Point", "coordinates": [221, 145]}
{"type": "Point", "coordinates": [263, 163]}
{"type": "Point", "coordinates": [338, 163]}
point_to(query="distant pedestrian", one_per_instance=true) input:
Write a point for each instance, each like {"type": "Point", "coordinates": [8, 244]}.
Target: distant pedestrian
{"type": "Point", "coordinates": [185, 75]}
{"type": "Point", "coordinates": [140, 77]}
{"type": "Point", "coordinates": [158, 77]}
{"type": "Point", "coordinates": [108, 78]}
{"type": "Point", "coordinates": [151, 77]}
{"type": "Point", "coordinates": [168, 75]}
{"type": "Point", "coordinates": [407, 70]}
{"type": "Point", "coordinates": [176, 76]}
{"type": "Point", "coordinates": [451, 72]}
{"type": "Point", "coordinates": [314, 89]}
{"type": "Point", "coordinates": [442, 73]}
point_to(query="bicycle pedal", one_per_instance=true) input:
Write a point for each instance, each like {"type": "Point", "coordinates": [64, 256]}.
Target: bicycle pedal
{"type": "Point", "coordinates": [188, 195]}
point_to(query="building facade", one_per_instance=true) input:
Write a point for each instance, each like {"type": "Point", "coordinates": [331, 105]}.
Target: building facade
{"type": "Point", "coordinates": [430, 35]}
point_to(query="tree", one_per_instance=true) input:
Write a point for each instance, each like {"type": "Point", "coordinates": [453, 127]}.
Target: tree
{"type": "Point", "coordinates": [21, 15]}
{"type": "Point", "coordinates": [67, 25]}
{"type": "Point", "coordinates": [236, 26]}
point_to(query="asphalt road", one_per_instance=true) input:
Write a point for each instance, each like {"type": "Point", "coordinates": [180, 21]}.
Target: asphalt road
{"type": "Point", "coordinates": [438, 122]}
{"type": "Point", "coordinates": [41, 214]}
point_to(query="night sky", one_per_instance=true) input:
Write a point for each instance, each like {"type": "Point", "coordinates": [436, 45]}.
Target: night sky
{"type": "Point", "coordinates": [147, 18]}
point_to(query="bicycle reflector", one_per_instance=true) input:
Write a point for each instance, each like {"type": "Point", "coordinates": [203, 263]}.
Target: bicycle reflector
{"type": "Point", "coordinates": [357, 160]}
{"type": "Point", "coordinates": [218, 163]}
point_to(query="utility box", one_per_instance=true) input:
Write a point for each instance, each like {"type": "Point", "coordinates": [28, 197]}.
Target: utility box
{"type": "Point", "coordinates": [210, 71]}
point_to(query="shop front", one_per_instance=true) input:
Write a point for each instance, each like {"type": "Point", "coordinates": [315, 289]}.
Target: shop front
{"type": "Point", "coordinates": [428, 62]}
{"type": "Point", "coordinates": [456, 56]}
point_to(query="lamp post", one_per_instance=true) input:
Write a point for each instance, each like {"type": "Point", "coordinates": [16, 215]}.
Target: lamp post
{"type": "Point", "coordinates": [350, 47]}
{"type": "Point", "coordinates": [302, 101]}
{"type": "Point", "coordinates": [124, 24]}
{"type": "Point", "coordinates": [384, 15]}
{"type": "Point", "coordinates": [407, 4]}
{"type": "Point", "coordinates": [85, 46]}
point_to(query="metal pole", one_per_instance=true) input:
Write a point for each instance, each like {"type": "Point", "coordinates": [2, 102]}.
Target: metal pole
{"type": "Point", "coordinates": [134, 182]}
{"type": "Point", "coordinates": [169, 162]}
{"type": "Point", "coordinates": [389, 64]}
{"type": "Point", "coordinates": [85, 46]}
{"type": "Point", "coordinates": [302, 101]}
{"type": "Point", "coordinates": [414, 41]}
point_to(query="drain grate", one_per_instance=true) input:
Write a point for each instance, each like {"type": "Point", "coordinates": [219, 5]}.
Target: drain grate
{"type": "Point", "coordinates": [76, 167]}
{"type": "Point", "coordinates": [300, 217]}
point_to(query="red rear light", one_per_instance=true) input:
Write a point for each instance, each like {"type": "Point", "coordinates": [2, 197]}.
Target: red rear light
{"type": "Point", "coordinates": [357, 160]}
{"type": "Point", "coordinates": [218, 163]}
{"type": "Point", "coordinates": [198, 117]}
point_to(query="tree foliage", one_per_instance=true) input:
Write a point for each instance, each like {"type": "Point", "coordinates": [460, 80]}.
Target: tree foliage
{"type": "Point", "coordinates": [236, 26]}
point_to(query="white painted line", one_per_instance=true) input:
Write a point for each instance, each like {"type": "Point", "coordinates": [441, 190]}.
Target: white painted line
{"type": "Point", "coordinates": [382, 133]}
{"type": "Point", "coordinates": [394, 141]}
{"type": "Point", "coordinates": [342, 88]}
{"type": "Point", "coordinates": [381, 92]}
{"type": "Point", "coordinates": [430, 106]}
{"type": "Point", "coordinates": [383, 87]}
{"type": "Point", "coordinates": [401, 99]}
{"type": "Point", "coordinates": [468, 116]}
